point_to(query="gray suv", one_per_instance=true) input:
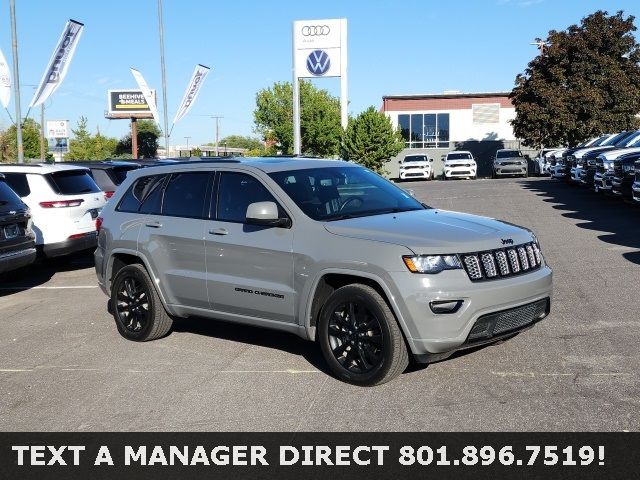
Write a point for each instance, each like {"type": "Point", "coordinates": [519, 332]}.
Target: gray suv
{"type": "Point", "coordinates": [510, 162]}
{"type": "Point", "coordinates": [327, 250]}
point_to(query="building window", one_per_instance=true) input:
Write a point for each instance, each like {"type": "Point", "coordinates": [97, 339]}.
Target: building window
{"type": "Point", "coordinates": [429, 130]}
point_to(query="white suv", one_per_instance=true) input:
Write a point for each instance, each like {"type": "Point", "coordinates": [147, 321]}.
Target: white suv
{"type": "Point", "coordinates": [64, 202]}
{"type": "Point", "coordinates": [416, 166]}
{"type": "Point", "coordinates": [459, 163]}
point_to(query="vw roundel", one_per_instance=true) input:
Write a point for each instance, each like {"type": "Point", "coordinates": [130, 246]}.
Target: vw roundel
{"type": "Point", "coordinates": [318, 63]}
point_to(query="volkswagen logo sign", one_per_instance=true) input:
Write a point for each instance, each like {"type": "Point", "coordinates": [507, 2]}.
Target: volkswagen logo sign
{"type": "Point", "coordinates": [318, 63]}
{"type": "Point", "coordinates": [315, 30]}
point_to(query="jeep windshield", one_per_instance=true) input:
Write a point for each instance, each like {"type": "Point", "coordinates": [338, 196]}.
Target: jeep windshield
{"type": "Point", "coordinates": [338, 193]}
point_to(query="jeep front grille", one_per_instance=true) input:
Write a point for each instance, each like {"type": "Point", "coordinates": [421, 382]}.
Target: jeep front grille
{"type": "Point", "coordinates": [502, 263]}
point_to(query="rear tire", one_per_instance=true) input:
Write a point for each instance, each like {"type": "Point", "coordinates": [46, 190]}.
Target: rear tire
{"type": "Point", "coordinates": [360, 338]}
{"type": "Point", "coordinates": [136, 306]}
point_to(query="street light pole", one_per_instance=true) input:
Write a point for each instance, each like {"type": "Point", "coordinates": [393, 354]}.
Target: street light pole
{"type": "Point", "coordinates": [16, 80]}
{"type": "Point", "coordinates": [188, 145]}
{"type": "Point", "coordinates": [164, 80]}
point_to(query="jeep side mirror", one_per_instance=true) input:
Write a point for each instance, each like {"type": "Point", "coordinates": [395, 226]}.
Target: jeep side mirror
{"type": "Point", "coordinates": [431, 159]}
{"type": "Point", "coordinates": [265, 214]}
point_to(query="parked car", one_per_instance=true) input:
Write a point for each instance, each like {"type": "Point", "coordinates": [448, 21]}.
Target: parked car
{"type": "Point", "coordinates": [415, 167]}
{"type": "Point", "coordinates": [562, 167]}
{"type": "Point", "coordinates": [579, 158]}
{"type": "Point", "coordinates": [624, 175]}
{"type": "Point", "coordinates": [603, 174]}
{"type": "Point", "coordinates": [325, 249]}
{"type": "Point", "coordinates": [544, 160]}
{"type": "Point", "coordinates": [64, 202]}
{"type": "Point", "coordinates": [635, 188]}
{"type": "Point", "coordinates": [17, 240]}
{"type": "Point", "coordinates": [509, 162]}
{"type": "Point", "coordinates": [109, 174]}
{"type": "Point", "coordinates": [459, 164]}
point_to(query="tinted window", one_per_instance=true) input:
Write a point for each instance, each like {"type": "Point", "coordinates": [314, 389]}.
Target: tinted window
{"type": "Point", "coordinates": [185, 195]}
{"type": "Point", "coordinates": [508, 153]}
{"type": "Point", "coordinates": [8, 198]}
{"type": "Point", "coordinates": [18, 183]}
{"type": "Point", "coordinates": [102, 180]}
{"type": "Point", "coordinates": [235, 192]}
{"type": "Point", "coordinates": [118, 174]}
{"type": "Point", "coordinates": [415, 158]}
{"type": "Point", "coordinates": [143, 188]}
{"type": "Point", "coordinates": [343, 192]}
{"type": "Point", "coordinates": [458, 156]}
{"type": "Point", "coordinates": [72, 182]}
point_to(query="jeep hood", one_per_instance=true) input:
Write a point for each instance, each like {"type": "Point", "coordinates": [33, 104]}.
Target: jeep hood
{"type": "Point", "coordinates": [453, 163]}
{"type": "Point", "coordinates": [432, 231]}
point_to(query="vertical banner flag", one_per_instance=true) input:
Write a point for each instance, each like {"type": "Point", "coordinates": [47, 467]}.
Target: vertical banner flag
{"type": "Point", "coordinates": [148, 94]}
{"type": "Point", "coordinates": [197, 79]}
{"type": "Point", "coordinates": [5, 81]}
{"type": "Point", "coordinates": [59, 62]}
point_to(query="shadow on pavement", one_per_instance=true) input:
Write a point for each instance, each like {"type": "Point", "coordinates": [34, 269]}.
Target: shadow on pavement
{"type": "Point", "coordinates": [42, 271]}
{"type": "Point", "coordinates": [619, 221]}
{"type": "Point", "coordinates": [262, 337]}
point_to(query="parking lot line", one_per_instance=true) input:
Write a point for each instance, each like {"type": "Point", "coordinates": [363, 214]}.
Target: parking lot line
{"type": "Point", "coordinates": [48, 288]}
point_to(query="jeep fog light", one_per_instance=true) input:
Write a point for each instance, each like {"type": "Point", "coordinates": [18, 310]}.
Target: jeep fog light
{"type": "Point", "coordinates": [445, 306]}
{"type": "Point", "coordinates": [431, 263]}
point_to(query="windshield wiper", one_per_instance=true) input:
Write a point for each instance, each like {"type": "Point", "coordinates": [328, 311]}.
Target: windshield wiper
{"type": "Point", "coordinates": [369, 213]}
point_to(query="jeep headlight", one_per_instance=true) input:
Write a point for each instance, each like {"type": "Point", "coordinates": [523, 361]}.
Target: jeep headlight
{"type": "Point", "coordinates": [431, 263]}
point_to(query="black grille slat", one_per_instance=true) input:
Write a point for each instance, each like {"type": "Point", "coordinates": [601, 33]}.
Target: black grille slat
{"type": "Point", "coordinates": [511, 320]}
{"type": "Point", "coordinates": [500, 263]}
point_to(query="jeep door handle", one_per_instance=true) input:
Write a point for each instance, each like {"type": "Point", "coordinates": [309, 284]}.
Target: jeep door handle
{"type": "Point", "coordinates": [219, 231]}
{"type": "Point", "coordinates": [154, 224]}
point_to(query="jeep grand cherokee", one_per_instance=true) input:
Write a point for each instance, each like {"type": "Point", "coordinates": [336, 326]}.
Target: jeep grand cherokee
{"type": "Point", "coordinates": [327, 250]}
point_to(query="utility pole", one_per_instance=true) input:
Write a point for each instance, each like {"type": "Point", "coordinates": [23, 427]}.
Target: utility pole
{"type": "Point", "coordinates": [164, 79]}
{"type": "Point", "coordinates": [188, 145]}
{"type": "Point", "coordinates": [16, 80]}
{"type": "Point", "coordinates": [134, 138]}
{"type": "Point", "coordinates": [217, 117]}
{"type": "Point", "coordinates": [42, 131]}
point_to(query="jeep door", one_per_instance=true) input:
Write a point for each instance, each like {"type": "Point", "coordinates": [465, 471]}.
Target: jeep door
{"type": "Point", "coordinates": [249, 267]}
{"type": "Point", "coordinates": [172, 236]}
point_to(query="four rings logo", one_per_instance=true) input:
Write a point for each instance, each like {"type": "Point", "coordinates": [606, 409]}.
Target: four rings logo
{"type": "Point", "coordinates": [315, 30]}
{"type": "Point", "coordinates": [318, 63]}
{"type": "Point", "coordinates": [507, 241]}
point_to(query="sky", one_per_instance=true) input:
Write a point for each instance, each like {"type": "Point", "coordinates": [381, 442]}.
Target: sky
{"type": "Point", "coordinates": [394, 47]}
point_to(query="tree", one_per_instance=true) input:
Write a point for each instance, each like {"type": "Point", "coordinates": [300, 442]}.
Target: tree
{"type": "Point", "coordinates": [240, 141]}
{"type": "Point", "coordinates": [371, 140]}
{"type": "Point", "coordinates": [148, 134]}
{"type": "Point", "coordinates": [30, 141]}
{"type": "Point", "coordinates": [319, 118]}
{"type": "Point", "coordinates": [585, 82]}
{"type": "Point", "coordinates": [84, 146]}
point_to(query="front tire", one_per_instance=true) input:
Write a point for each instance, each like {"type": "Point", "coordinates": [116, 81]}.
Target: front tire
{"type": "Point", "coordinates": [360, 338]}
{"type": "Point", "coordinates": [136, 306]}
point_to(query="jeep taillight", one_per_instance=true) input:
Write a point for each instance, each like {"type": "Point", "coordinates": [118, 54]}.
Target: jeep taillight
{"type": "Point", "coordinates": [62, 203]}
{"type": "Point", "coordinates": [98, 224]}
{"type": "Point", "coordinates": [108, 195]}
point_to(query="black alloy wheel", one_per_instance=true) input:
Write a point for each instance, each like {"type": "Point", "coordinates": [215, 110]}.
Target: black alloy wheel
{"type": "Point", "coordinates": [137, 309]}
{"type": "Point", "coordinates": [360, 337]}
{"type": "Point", "coordinates": [132, 305]}
{"type": "Point", "coordinates": [356, 337]}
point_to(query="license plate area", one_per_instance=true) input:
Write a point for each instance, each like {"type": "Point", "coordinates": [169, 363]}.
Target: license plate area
{"type": "Point", "coordinates": [11, 231]}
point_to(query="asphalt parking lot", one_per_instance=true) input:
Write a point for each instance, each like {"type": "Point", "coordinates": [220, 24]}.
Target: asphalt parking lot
{"type": "Point", "coordinates": [63, 366]}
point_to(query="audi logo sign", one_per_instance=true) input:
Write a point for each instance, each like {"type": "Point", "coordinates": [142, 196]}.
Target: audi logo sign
{"type": "Point", "coordinates": [315, 30]}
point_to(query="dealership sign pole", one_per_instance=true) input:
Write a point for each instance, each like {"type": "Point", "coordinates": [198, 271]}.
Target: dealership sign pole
{"type": "Point", "coordinates": [319, 50]}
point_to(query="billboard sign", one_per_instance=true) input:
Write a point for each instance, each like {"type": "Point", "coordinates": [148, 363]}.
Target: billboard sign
{"type": "Point", "coordinates": [58, 145]}
{"type": "Point", "coordinates": [129, 101]}
{"type": "Point", "coordinates": [57, 129]}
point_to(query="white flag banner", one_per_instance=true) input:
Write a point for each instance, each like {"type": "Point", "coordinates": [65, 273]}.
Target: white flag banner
{"type": "Point", "coordinates": [146, 91]}
{"type": "Point", "coordinates": [59, 62]}
{"type": "Point", "coordinates": [197, 79]}
{"type": "Point", "coordinates": [5, 81]}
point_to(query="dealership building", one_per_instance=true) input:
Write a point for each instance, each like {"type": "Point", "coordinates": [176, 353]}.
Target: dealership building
{"type": "Point", "coordinates": [434, 124]}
